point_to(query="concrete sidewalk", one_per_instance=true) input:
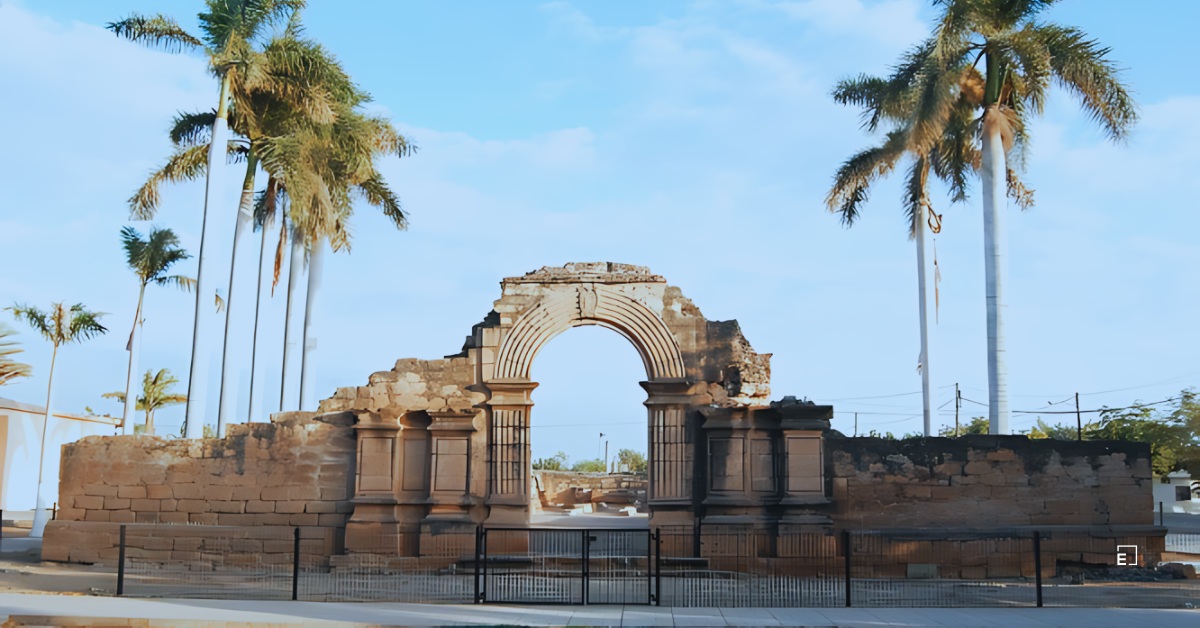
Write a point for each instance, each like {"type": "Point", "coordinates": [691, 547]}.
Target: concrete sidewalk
{"type": "Point", "coordinates": [170, 612]}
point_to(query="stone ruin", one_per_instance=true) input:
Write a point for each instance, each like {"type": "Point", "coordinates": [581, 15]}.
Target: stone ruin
{"type": "Point", "coordinates": [437, 446]}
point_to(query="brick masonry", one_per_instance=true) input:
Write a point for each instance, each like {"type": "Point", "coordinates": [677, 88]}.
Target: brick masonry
{"type": "Point", "coordinates": [296, 471]}
{"type": "Point", "coordinates": [988, 481]}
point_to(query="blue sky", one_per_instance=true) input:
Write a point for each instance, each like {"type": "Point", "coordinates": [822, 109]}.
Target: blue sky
{"type": "Point", "coordinates": [696, 138]}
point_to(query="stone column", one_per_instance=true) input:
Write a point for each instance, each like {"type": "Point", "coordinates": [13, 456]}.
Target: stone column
{"type": "Point", "coordinates": [374, 527]}
{"type": "Point", "coordinates": [508, 451]}
{"type": "Point", "coordinates": [672, 451]}
{"type": "Point", "coordinates": [449, 495]}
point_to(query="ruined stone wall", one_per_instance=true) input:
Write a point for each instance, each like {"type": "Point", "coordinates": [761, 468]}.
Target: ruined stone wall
{"type": "Point", "coordinates": [556, 485]}
{"type": "Point", "coordinates": [412, 385]}
{"type": "Point", "coordinates": [297, 471]}
{"type": "Point", "coordinates": [988, 481]}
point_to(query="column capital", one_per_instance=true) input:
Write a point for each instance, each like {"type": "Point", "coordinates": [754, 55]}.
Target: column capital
{"type": "Point", "coordinates": [367, 420]}
{"type": "Point", "coordinates": [510, 392]}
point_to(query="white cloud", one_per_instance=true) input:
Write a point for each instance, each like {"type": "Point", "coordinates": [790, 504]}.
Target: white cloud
{"type": "Point", "coordinates": [894, 22]}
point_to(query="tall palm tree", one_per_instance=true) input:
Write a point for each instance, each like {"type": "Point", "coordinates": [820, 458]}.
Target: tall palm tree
{"type": "Point", "coordinates": [156, 393]}
{"type": "Point", "coordinates": [60, 325]}
{"type": "Point", "coordinates": [150, 260]}
{"type": "Point", "coordinates": [323, 169]}
{"type": "Point", "coordinates": [294, 80]}
{"type": "Point", "coordinates": [230, 27]}
{"type": "Point", "coordinates": [890, 103]}
{"type": "Point", "coordinates": [1021, 58]}
{"type": "Point", "coordinates": [10, 369]}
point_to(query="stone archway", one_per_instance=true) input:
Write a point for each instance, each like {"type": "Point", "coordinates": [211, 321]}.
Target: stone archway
{"type": "Point", "coordinates": [544, 304]}
{"type": "Point", "coordinates": [446, 442]}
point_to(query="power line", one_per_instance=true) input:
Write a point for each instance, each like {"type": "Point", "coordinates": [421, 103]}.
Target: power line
{"type": "Point", "coordinates": [1136, 405]}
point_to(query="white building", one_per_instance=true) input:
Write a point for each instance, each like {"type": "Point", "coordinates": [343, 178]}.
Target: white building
{"type": "Point", "coordinates": [20, 440]}
{"type": "Point", "coordinates": [1174, 491]}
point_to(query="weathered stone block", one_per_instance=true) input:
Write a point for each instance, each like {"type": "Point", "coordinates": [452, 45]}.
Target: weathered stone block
{"type": "Point", "coordinates": [131, 491]}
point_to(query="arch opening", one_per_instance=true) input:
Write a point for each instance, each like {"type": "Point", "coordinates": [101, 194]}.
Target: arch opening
{"type": "Point", "coordinates": [588, 431]}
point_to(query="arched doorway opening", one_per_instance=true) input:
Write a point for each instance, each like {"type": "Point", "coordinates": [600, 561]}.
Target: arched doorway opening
{"type": "Point", "coordinates": [588, 435]}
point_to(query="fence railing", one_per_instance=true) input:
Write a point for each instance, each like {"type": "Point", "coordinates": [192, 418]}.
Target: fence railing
{"type": "Point", "coordinates": [724, 566]}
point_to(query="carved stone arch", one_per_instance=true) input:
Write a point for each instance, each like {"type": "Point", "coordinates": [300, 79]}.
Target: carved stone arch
{"type": "Point", "coordinates": [560, 311]}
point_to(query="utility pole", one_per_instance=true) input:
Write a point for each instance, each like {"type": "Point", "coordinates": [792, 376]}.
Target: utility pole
{"type": "Point", "coordinates": [957, 406]}
{"type": "Point", "coordinates": [1078, 420]}
{"type": "Point", "coordinates": [856, 424]}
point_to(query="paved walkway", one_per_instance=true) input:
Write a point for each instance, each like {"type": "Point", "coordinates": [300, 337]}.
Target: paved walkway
{"type": "Point", "coordinates": [164, 612]}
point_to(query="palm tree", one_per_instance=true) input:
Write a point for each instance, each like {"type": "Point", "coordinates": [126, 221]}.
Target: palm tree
{"type": "Point", "coordinates": [229, 27]}
{"type": "Point", "coordinates": [10, 369]}
{"type": "Point", "coordinates": [156, 393]}
{"type": "Point", "coordinates": [891, 103]}
{"type": "Point", "coordinates": [60, 325]}
{"type": "Point", "coordinates": [323, 169]}
{"type": "Point", "coordinates": [294, 82]}
{"type": "Point", "coordinates": [1022, 57]}
{"type": "Point", "coordinates": [150, 259]}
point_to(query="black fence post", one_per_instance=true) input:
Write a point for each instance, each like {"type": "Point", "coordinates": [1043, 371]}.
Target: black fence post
{"type": "Point", "coordinates": [846, 551]}
{"type": "Point", "coordinates": [1037, 564]}
{"type": "Point", "coordinates": [658, 567]}
{"type": "Point", "coordinates": [584, 552]}
{"type": "Point", "coordinates": [296, 564]}
{"type": "Point", "coordinates": [121, 564]}
{"type": "Point", "coordinates": [1160, 515]}
{"type": "Point", "coordinates": [54, 512]}
{"type": "Point", "coordinates": [483, 584]}
{"type": "Point", "coordinates": [478, 553]}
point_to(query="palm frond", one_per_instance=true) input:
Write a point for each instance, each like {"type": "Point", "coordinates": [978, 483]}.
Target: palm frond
{"type": "Point", "coordinates": [192, 129]}
{"type": "Point", "coordinates": [158, 31]}
{"type": "Point", "coordinates": [916, 192]}
{"type": "Point", "coordinates": [40, 321]}
{"type": "Point", "coordinates": [84, 324]}
{"type": "Point", "coordinates": [377, 192]}
{"type": "Point", "coordinates": [185, 164]}
{"type": "Point", "coordinates": [851, 184]}
{"type": "Point", "coordinates": [1082, 66]}
{"type": "Point", "coordinates": [9, 368]}
{"type": "Point", "coordinates": [1016, 190]}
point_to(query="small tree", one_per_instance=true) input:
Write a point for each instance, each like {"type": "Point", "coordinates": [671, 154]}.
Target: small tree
{"type": "Point", "coordinates": [632, 460]}
{"type": "Point", "coordinates": [156, 393]}
{"type": "Point", "coordinates": [977, 425]}
{"type": "Point", "coordinates": [589, 466]}
{"type": "Point", "coordinates": [60, 325]}
{"type": "Point", "coordinates": [557, 462]}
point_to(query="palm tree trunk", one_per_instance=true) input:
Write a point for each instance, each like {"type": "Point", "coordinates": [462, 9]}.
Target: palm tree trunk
{"type": "Point", "coordinates": [39, 511]}
{"type": "Point", "coordinates": [927, 390]}
{"type": "Point", "coordinates": [993, 174]}
{"type": "Point", "coordinates": [149, 422]}
{"type": "Point", "coordinates": [204, 319]}
{"type": "Point", "coordinates": [308, 363]}
{"type": "Point", "coordinates": [128, 417]}
{"type": "Point", "coordinates": [255, 382]}
{"type": "Point", "coordinates": [245, 215]}
{"type": "Point", "coordinates": [294, 270]}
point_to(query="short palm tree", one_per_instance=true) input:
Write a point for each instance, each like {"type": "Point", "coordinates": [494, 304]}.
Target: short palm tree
{"type": "Point", "coordinates": [230, 28]}
{"type": "Point", "coordinates": [10, 369]}
{"type": "Point", "coordinates": [60, 325]}
{"type": "Point", "coordinates": [156, 393]}
{"type": "Point", "coordinates": [150, 259]}
{"type": "Point", "coordinates": [1021, 58]}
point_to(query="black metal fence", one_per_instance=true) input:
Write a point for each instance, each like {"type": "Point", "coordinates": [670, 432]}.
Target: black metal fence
{"type": "Point", "coordinates": [722, 566]}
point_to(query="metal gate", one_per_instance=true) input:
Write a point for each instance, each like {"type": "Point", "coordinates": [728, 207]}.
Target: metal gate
{"type": "Point", "coordinates": [564, 566]}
